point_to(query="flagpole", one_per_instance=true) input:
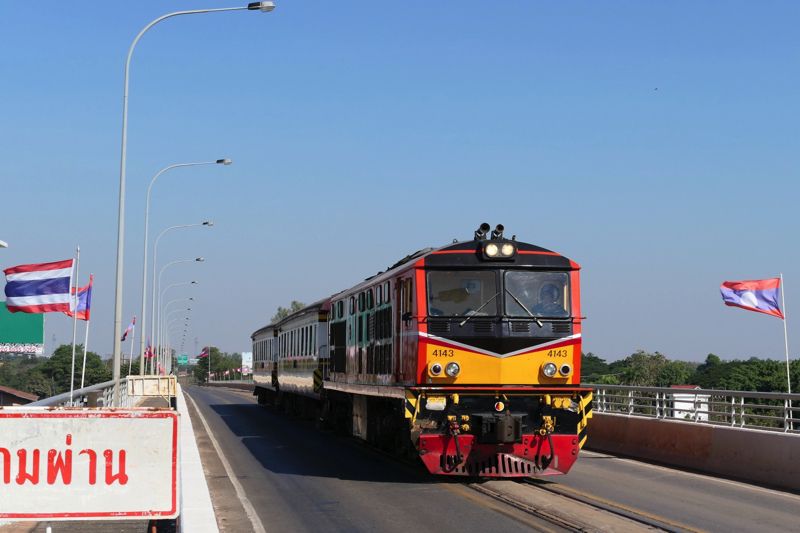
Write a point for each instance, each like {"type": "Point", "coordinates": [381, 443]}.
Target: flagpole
{"type": "Point", "coordinates": [74, 321]}
{"type": "Point", "coordinates": [133, 341]}
{"type": "Point", "coordinates": [785, 335]}
{"type": "Point", "coordinates": [85, 345]}
{"type": "Point", "coordinates": [786, 346]}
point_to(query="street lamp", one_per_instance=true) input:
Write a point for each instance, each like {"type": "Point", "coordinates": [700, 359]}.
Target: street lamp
{"type": "Point", "coordinates": [263, 7]}
{"type": "Point", "coordinates": [160, 294]}
{"type": "Point", "coordinates": [143, 315]}
{"type": "Point", "coordinates": [153, 318]}
{"type": "Point", "coordinates": [166, 347]}
{"type": "Point", "coordinates": [3, 244]}
{"type": "Point", "coordinates": [163, 311]}
{"type": "Point", "coordinates": [206, 223]}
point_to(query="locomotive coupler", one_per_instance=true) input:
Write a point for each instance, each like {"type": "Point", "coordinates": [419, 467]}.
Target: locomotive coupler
{"type": "Point", "coordinates": [545, 431]}
{"type": "Point", "coordinates": [454, 429]}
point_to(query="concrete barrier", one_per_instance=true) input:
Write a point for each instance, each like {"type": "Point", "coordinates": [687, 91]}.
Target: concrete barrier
{"type": "Point", "coordinates": [243, 385]}
{"type": "Point", "coordinates": [756, 456]}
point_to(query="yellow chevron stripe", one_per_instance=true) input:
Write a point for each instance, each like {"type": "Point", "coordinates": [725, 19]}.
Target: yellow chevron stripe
{"type": "Point", "coordinates": [411, 404]}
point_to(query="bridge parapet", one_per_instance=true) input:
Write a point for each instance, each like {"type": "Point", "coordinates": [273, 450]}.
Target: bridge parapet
{"type": "Point", "coordinates": [770, 411]}
{"type": "Point", "coordinates": [132, 390]}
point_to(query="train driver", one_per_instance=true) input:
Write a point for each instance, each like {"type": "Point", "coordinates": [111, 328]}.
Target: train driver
{"type": "Point", "coordinates": [548, 304]}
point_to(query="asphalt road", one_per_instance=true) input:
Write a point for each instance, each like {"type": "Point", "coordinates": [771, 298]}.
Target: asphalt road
{"type": "Point", "coordinates": [683, 499]}
{"type": "Point", "coordinates": [297, 478]}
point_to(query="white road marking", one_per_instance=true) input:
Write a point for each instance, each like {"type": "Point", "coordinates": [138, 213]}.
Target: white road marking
{"type": "Point", "coordinates": [709, 477]}
{"type": "Point", "coordinates": [258, 527]}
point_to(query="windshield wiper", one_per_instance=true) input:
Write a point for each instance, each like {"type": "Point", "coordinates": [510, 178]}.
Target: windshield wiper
{"type": "Point", "coordinates": [484, 304]}
{"type": "Point", "coordinates": [534, 317]}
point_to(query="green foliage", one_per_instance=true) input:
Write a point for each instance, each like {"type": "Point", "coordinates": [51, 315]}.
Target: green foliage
{"type": "Point", "coordinates": [676, 373]}
{"type": "Point", "coordinates": [283, 312]}
{"type": "Point", "coordinates": [643, 368]}
{"type": "Point", "coordinates": [50, 376]}
{"type": "Point", "coordinates": [655, 370]}
{"type": "Point", "coordinates": [219, 361]}
{"type": "Point", "coordinates": [592, 368]}
{"type": "Point", "coordinates": [59, 368]}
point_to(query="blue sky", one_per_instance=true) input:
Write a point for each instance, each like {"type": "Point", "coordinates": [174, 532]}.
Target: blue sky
{"type": "Point", "coordinates": [653, 142]}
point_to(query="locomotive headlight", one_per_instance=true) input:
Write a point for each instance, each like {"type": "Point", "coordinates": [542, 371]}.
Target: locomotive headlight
{"type": "Point", "coordinates": [452, 369]}
{"type": "Point", "coordinates": [436, 369]}
{"type": "Point", "coordinates": [565, 369]}
{"type": "Point", "coordinates": [549, 369]}
{"type": "Point", "coordinates": [491, 250]}
{"type": "Point", "coordinates": [507, 250]}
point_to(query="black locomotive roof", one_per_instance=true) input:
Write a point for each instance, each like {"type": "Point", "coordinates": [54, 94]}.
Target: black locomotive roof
{"type": "Point", "coordinates": [469, 254]}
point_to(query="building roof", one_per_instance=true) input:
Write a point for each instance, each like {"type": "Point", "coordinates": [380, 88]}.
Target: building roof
{"type": "Point", "coordinates": [19, 393]}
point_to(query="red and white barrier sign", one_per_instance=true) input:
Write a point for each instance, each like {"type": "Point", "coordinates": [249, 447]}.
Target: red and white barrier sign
{"type": "Point", "coordinates": [88, 464]}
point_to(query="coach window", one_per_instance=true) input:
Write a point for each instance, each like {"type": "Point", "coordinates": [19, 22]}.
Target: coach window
{"type": "Point", "coordinates": [340, 309]}
{"type": "Point", "coordinates": [370, 299]}
{"type": "Point", "coordinates": [387, 290]}
{"type": "Point", "coordinates": [361, 301]}
{"type": "Point", "coordinates": [352, 305]}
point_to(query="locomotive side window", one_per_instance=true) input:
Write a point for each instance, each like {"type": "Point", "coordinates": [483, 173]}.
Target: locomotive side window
{"type": "Point", "coordinates": [462, 293]}
{"type": "Point", "coordinates": [543, 294]}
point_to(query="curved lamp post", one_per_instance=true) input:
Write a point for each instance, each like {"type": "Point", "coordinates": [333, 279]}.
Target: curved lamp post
{"type": "Point", "coordinates": [264, 7]}
{"type": "Point", "coordinates": [163, 312]}
{"type": "Point", "coordinates": [143, 314]}
{"type": "Point", "coordinates": [206, 223]}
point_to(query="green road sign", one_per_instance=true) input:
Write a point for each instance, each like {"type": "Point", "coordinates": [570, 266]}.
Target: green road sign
{"type": "Point", "coordinates": [183, 359]}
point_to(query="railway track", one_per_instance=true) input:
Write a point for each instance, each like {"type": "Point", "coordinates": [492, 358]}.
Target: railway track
{"type": "Point", "coordinates": [572, 510]}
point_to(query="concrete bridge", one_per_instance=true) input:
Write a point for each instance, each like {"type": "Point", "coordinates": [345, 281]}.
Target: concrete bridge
{"type": "Point", "coordinates": [243, 467]}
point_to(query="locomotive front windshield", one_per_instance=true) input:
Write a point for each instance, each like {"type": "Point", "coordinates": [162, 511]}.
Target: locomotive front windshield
{"type": "Point", "coordinates": [462, 293]}
{"type": "Point", "coordinates": [480, 293]}
{"type": "Point", "coordinates": [540, 294]}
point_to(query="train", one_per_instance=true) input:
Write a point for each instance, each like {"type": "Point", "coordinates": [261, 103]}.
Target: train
{"type": "Point", "coordinates": [467, 356]}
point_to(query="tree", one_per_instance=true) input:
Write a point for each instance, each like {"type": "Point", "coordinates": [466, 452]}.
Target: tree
{"type": "Point", "coordinates": [283, 312]}
{"type": "Point", "coordinates": [642, 368]}
{"type": "Point", "coordinates": [58, 369]}
{"type": "Point", "coordinates": [592, 368]}
{"type": "Point", "coordinates": [675, 373]}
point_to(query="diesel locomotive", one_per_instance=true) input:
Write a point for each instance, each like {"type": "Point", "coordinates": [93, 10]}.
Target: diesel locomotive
{"type": "Point", "coordinates": [467, 356]}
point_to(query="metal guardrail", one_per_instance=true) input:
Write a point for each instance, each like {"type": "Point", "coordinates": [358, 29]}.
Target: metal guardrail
{"type": "Point", "coordinates": [752, 410]}
{"type": "Point", "coordinates": [99, 395]}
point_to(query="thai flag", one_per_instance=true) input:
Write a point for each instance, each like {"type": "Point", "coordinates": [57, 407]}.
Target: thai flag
{"type": "Point", "coordinates": [83, 310]}
{"type": "Point", "coordinates": [760, 295]}
{"type": "Point", "coordinates": [40, 288]}
{"type": "Point", "coordinates": [203, 354]}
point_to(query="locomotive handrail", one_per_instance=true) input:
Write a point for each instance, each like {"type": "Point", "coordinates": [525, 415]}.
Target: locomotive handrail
{"type": "Point", "coordinates": [772, 411]}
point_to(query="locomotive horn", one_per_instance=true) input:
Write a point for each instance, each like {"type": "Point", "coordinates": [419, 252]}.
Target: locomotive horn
{"type": "Point", "coordinates": [480, 233]}
{"type": "Point", "coordinates": [498, 232]}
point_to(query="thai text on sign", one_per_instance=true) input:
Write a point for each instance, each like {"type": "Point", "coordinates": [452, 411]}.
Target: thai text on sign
{"type": "Point", "coordinates": [84, 463]}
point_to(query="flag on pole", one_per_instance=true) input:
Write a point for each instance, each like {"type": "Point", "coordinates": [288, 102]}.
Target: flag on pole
{"type": "Point", "coordinates": [203, 354]}
{"type": "Point", "coordinates": [148, 352]}
{"type": "Point", "coordinates": [760, 295]}
{"type": "Point", "coordinates": [83, 310]}
{"type": "Point", "coordinates": [39, 288]}
{"type": "Point", "coordinates": [128, 329]}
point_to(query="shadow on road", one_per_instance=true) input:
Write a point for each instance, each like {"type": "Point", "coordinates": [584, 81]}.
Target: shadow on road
{"type": "Point", "coordinates": [286, 445]}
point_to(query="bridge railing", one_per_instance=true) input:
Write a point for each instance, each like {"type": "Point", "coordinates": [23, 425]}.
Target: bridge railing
{"type": "Point", "coordinates": [754, 410]}
{"type": "Point", "coordinates": [99, 395]}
